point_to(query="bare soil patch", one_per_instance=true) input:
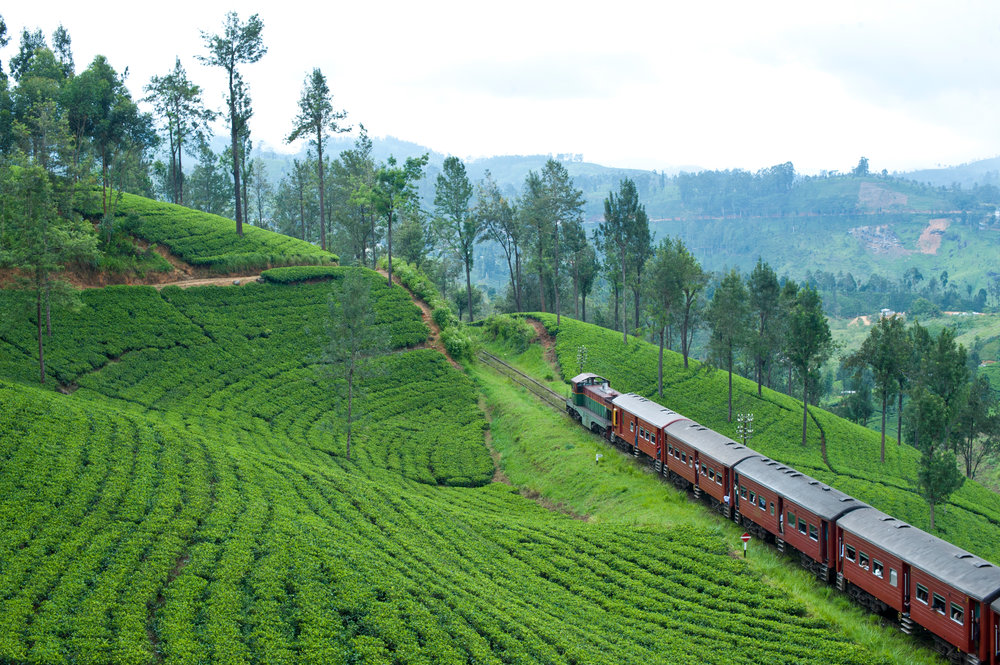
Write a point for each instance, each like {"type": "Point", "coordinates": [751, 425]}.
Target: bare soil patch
{"type": "Point", "coordinates": [860, 320]}
{"type": "Point", "coordinates": [930, 239]}
{"type": "Point", "coordinates": [874, 197]}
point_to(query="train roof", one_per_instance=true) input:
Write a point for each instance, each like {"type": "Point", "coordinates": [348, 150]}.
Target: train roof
{"type": "Point", "coordinates": [977, 578]}
{"type": "Point", "coordinates": [587, 375]}
{"type": "Point", "coordinates": [996, 606]}
{"type": "Point", "coordinates": [710, 442]}
{"type": "Point", "coordinates": [655, 414]}
{"type": "Point", "coordinates": [821, 499]}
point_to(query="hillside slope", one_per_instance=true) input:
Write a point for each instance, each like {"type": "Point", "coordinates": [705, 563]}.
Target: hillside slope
{"type": "Point", "coordinates": [191, 502]}
{"type": "Point", "coordinates": [850, 462]}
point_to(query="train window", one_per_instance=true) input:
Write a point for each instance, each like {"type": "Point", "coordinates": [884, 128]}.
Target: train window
{"type": "Point", "coordinates": [762, 502]}
{"type": "Point", "coordinates": [957, 612]}
{"type": "Point", "coordinates": [852, 554]}
{"type": "Point", "coordinates": [863, 560]}
{"type": "Point", "coordinates": [631, 427]}
{"type": "Point", "coordinates": [709, 471]}
{"type": "Point", "coordinates": [813, 533]}
{"type": "Point", "coordinates": [718, 478]}
{"type": "Point", "coordinates": [791, 519]}
{"type": "Point", "coordinates": [938, 604]}
{"type": "Point", "coordinates": [893, 579]}
{"type": "Point", "coordinates": [743, 492]}
{"type": "Point", "coordinates": [684, 457]}
{"type": "Point", "coordinates": [772, 507]}
{"type": "Point", "coordinates": [753, 498]}
{"type": "Point", "coordinates": [802, 526]}
{"type": "Point", "coordinates": [922, 593]}
{"type": "Point", "coordinates": [877, 569]}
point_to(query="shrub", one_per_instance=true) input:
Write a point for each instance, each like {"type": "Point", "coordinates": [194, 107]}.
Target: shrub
{"type": "Point", "coordinates": [516, 332]}
{"type": "Point", "coordinates": [457, 343]}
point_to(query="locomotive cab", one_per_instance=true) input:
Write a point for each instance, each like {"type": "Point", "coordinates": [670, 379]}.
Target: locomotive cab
{"type": "Point", "coordinates": [590, 402]}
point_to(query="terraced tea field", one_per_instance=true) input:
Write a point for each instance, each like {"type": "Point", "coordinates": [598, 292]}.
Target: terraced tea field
{"type": "Point", "coordinates": [190, 501]}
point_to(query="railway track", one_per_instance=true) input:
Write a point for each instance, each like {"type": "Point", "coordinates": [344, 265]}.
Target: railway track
{"type": "Point", "coordinates": [546, 394]}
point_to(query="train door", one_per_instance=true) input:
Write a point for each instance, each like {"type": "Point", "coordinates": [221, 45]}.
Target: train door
{"type": "Point", "coordinates": [974, 627]}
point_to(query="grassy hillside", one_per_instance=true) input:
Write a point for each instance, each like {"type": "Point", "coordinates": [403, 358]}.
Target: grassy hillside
{"type": "Point", "coordinates": [191, 502]}
{"type": "Point", "coordinates": [971, 520]}
{"type": "Point", "coordinates": [208, 241]}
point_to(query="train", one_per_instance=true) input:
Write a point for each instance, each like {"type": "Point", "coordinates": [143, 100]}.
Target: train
{"type": "Point", "coordinates": [889, 566]}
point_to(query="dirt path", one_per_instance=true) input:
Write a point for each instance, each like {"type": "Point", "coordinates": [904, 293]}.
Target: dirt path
{"type": "Point", "coordinates": [434, 339]}
{"type": "Point", "coordinates": [930, 240]}
{"type": "Point", "coordinates": [548, 343]}
{"type": "Point", "coordinates": [211, 281]}
{"type": "Point", "coordinates": [860, 319]}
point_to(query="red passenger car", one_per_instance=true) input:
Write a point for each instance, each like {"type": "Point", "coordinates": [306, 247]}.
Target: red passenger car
{"type": "Point", "coordinates": [639, 425]}
{"type": "Point", "coordinates": [715, 456]}
{"type": "Point", "coordinates": [805, 510]}
{"type": "Point", "coordinates": [938, 586]}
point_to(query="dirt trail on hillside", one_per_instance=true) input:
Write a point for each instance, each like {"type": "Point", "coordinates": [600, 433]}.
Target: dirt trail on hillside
{"type": "Point", "coordinates": [211, 281]}
{"type": "Point", "coordinates": [930, 240]}
{"type": "Point", "coordinates": [434, 339]}
{"type": "Point", "coordinates": [548, 344]}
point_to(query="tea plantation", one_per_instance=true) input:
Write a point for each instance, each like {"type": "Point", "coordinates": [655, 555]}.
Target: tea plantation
{"type": "Point", "coordinates": [190, 501]}
{"type": "Point", "coordinates": [205, 240]}
{"type": "Point", "coordinates": [971, 520]}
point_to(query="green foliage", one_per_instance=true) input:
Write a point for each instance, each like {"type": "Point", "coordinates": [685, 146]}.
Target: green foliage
{"type": "Point", "coordinates": [513, 331]}
{"type": "Point", "coordinates": [303, 274]}
{"type": "Point", "coordinates": [457, 342]}
{"type": "Point", "coordinates": [208, 241]}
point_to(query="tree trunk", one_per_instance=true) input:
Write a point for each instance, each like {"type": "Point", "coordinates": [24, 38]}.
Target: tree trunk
{"type": "Point", "coordinates": [583, 298]}
{"type": "Point", "coordinates": [885, 399]}
{"type": "Point", "coordinates": [931, 504]}
{"type": "Point", "coordinates": [624, 316]}
{"type": "Point", "coordinates": [616, 305]}
{"type": "Point", "coordinates": [659, 375]}
{"type": "Point", "coordinates": [41, 345]}
{"type": "Point", "coordinates": [468, 290]}
{"type": "Point", "coordinates": [730, 385]}
{"type": "Point", "coordinates": [234, 136]}
{"type": "Point", "coordinates": [635, 291]}
{"type": "Point", "coordinates": [322, 208]}
{"type": "Point", "coordinates": [899, 419]}
{"type": "Point", "coordinates": [389, 236]}
{"type": "Point", "coordinates": [555, 281]}
{"type": "Point", "coordinates": [517, 289]}
{"type": "Point", "coordinates": [805, 408]}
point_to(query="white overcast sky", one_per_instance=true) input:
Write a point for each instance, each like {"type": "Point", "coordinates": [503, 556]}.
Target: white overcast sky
{"type": "Point", "coordinates": [908, 84]}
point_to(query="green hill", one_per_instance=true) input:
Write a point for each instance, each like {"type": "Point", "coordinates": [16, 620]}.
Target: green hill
{"type": "Point", "coordinates": [851, 462]}
{"type": "Point", "coordinates": [190, 502]}
{"type": "Point", "coordinates": [207, 241]}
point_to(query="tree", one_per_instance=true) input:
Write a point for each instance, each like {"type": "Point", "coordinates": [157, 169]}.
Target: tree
{"type": "Point", "coordinates": [261, 189]}
{"type": "Point", "coordinates": [938, 477]}
{"type": "Point", "coordinates": [729, 318]}
{"type": "Point", "coordinates": [976, 427]}
{"type": "Point", "coordinates": [353, 342]}
{"type": "Point", "coordinates": [765, 309]}
{"type": "Point", "coordinates": [31, 43]}
{"type": "Point", "coordinates": [177, 101]}
{"type": "Point", "coordinates": [316, 117]}
{"type": "Point", "coordinates": [63, 50]}
{"type": "Point", "coordinates": [862, 168]}
{"type": "Point", "coordinates": [116, 126]}
{"type": "Point", "coordinates": [664, 294]}
{"type": "Point", "coordinates": [395, 188]}
{"type": "Point", "coordinates": [42, 240]}
{"type": "Point", "coordinates": [502, 224]}
{"type": "Point", "coordinates": [693, 281]}
{"type": "Point", "coordinates": [539, 227]}
{"type": "Point", "coordinates": [564, 202]}
{"type": "Point", "coordinates": [455, 222]}
{"type": "Point", "coordinates": [624, 217]}
{"type": "Point", "coordinates": [239, 43]}
{"type": "Point", "coordinates": [808, 343]}
{"type": "Point", "coordinates": [886, 353]}
{"type": "Point", "coordinates": [354, 177]}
